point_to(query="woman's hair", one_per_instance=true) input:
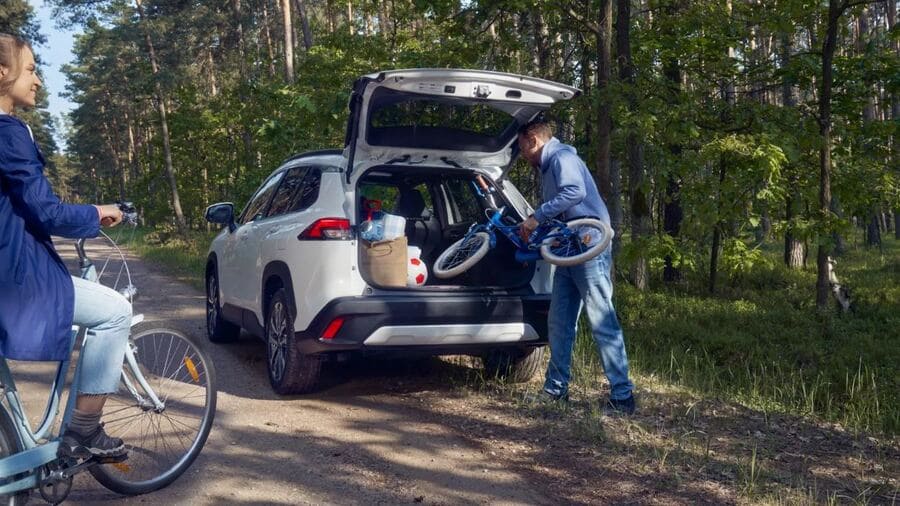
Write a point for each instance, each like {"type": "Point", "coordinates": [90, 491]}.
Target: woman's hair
{"type": "Point", "coordinates": [10, 57]}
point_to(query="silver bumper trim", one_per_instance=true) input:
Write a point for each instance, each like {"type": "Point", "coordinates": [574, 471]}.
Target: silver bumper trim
{"type": "Point", "coordinates": [436, 335]}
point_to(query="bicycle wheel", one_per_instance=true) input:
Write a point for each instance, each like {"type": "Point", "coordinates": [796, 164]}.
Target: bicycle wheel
{"type": "Point", "coordinates": [462, 255]}
{"type": "Point", "coordinates": [10, 445]}
{"type": "Point", "coordinates": [581, 240]}
{"type": "Point", "coordinates": [163, 443]}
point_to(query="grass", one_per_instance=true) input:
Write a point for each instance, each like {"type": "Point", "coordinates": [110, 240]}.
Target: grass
{"type": "Point", "coordinates": [759, 341]}
{"type": "Point", "coordinates": [762, 343]}
{"type": "Point", "coordinates": [183, 258]}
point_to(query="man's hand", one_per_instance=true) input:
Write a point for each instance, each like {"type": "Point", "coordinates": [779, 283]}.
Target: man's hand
{"type": "Point", "coordinates": [110, 215]}
{"type": "Point", "coordinates": [527, 227]}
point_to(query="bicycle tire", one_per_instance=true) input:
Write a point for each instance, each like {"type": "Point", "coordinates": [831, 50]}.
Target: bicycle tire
{"type": "Point", "coordinates": [10, 444]}
{"type": "Point", "coordinates": [549, 248]}
{"type": "Point", "coordinates": [461, 255]}
{"type": "Point", "coordinates": [147, 468]}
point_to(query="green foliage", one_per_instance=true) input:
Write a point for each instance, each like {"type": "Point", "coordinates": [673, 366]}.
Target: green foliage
{"type": "Point", "coordinates": [724, 105]}
{"type": "Point", "coordinates": [759, 343]}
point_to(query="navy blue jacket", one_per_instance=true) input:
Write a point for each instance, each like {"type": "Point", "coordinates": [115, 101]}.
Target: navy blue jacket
{"type": "Point", "coordinates": [567, 187]}
{"type": "Point", "coordinates": [37, 300]}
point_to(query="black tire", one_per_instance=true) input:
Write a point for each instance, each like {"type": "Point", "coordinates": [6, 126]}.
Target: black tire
{"type": "Point", "coordinates": [290, 371]}
{"type": "Point", "coordinates": [10, 445]}
{"type": "Point", "coordinates": [513, 365]}
{"type": "Point", "coordinates": [462, 255]}
{"type": "Point", "coordinates": [575, 251]}
{"type": "Point", "coordinates": [183, 377]}
{"type": "Point", "coordinates": [218, 329]}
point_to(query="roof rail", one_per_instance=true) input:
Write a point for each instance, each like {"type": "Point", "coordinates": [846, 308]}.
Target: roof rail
{"type": "Point", "coordinates": [318, 152]}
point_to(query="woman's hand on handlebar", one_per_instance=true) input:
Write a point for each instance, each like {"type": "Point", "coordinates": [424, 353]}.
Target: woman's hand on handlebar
{"type": "Point", "coordinates": [110, 215]}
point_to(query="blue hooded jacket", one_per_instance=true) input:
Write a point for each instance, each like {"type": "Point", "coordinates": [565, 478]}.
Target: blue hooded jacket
{"type": "Point", "coordinates": [567, 186]}
{"type": "Point", "coordinates": [37, 300]}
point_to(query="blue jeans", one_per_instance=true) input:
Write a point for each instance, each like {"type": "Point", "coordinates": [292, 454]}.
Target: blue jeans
{"type": "Point", "coordinates": [587, 285]}
{"type": "Point", "coordinates": [107, 315]}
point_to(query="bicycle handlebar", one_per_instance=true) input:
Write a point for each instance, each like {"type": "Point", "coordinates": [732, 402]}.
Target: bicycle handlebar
{"type": "Point", "coordinates": [129, 216]}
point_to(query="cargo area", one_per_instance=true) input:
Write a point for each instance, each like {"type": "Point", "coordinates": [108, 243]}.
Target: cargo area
{"type": "Point", "coordinates": [438, 205]}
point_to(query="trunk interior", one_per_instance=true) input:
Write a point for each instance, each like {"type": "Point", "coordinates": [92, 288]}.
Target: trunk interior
{"type": "Point", "coordinates": [439, 205]}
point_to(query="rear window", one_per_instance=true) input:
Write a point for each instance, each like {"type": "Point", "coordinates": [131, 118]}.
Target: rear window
{"type": "Point", "coordinates": [478, 119]}
{"type": "Point", "coordinates": [405, 120]}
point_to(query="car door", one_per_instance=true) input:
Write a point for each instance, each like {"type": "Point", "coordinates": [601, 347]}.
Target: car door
{"type": "Point", "coordinates": [464, 118]}
{"type": "Point", "coordinates": [460, 209]}
{"type": "Point", "coordinates": [238, 266]}
{"type": "Point", "coordinates": [284, 220]}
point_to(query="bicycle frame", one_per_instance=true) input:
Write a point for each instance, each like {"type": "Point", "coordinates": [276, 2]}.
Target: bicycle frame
{"type": "Point", "coordinates": [37, 453]}
{"type": "Point", "coordinates": [525, 252]}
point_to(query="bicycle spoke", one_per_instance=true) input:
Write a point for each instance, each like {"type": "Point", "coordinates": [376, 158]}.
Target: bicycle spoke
{"type": "Point", "coordinates": [162, 442]}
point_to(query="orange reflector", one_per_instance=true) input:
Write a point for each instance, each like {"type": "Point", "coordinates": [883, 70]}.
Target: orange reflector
{"type": "Point", "coordinates": [122, 467]}
{"type": "Point", "coordinates": [192, 369]}
{"type": "Point", "coordinates": [332, 329]}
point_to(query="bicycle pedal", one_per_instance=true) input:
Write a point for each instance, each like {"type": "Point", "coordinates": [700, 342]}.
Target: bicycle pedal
{"type": "Point", "coordinates": [76, 453]}
{"type": "Point", "coordinates": [110, 460]}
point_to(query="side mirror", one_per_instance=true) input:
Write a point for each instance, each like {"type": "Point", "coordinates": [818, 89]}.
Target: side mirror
{"type": "Point", "coordinates": [221, 213]}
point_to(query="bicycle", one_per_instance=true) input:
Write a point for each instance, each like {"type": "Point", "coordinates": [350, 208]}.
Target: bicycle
{"type": "Point", "coordinates": [560, 243]}
{"type": "Point", "coordinates": [163, 409]}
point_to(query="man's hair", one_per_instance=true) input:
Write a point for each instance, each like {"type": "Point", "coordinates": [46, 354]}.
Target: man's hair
{"type": "Point", "coordinates": [10, 57]}
{"type": "Point", "coordinates": [537, 128]}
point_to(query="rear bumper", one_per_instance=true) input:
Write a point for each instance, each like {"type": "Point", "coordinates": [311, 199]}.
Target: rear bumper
{"type": "Point", "coordinates": [438, 324]}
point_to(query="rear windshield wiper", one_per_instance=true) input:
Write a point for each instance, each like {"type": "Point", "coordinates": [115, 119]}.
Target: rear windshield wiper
{"type": "Point", "coordinates": [404, 158]}
{"type": "Point", "coordinates": [450, 161]}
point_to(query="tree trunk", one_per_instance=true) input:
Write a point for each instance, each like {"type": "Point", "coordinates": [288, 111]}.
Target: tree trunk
{"type": "Point", "coordinates": [604, 120]}
{"type": "Point", "coordinates": [794, 254]}
{"type": "Point", "coordinates": [329, 15]}
{"type": "Point", "coordinates": [634, 149]}
{"type": "Point", "coordinates": [213, 83]}
{"type": "Point", "coordinates": [164, 123]}
{"type": "Point", "coordinates": [895, 104]}
{"type": "Point", "coordinates": [717, 234]}
{"type": "Point", "coordinates": [288, 41]}
{"type": "Point", "coordinates": [728, 95]}
{"type": "Point", "coordinates": [304, 24]}
{"type": "Point", "coordinates": [873, 231]}
{"type": "Point", "coordinates": [542, 45]}
{"type": "Point", "coordinates": [270, 51]}
{"type": "Point", "coordinates": [823, 286]}
{"type": "Point", "coordinates": [350, 26]}
{"type": "Point", "coordinates": [672, 212]}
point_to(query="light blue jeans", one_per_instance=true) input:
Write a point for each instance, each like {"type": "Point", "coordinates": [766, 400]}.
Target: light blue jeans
{"type": "Point", "coordinates": [587, 285]}
{"type": "Point", "coordinates": [107, 316]}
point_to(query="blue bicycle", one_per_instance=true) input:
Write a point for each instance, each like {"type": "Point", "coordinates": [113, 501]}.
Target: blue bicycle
{"type": "Point", "coordinates": [163, 409]}
{"type": "Point", "coordinates": [559, 243]}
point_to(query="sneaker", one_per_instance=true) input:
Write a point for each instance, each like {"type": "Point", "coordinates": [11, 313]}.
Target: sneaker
{"type": "Point", "coordinates": [618, 406]}
{"type": "Point", "coordinates": [95, 444]}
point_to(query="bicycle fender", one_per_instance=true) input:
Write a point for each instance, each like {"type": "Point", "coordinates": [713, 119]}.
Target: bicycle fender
{"type": "Point", "coordinates": [136, 319]}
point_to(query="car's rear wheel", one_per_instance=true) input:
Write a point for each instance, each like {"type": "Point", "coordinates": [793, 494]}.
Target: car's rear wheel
{"type": "Point", "coordinates": [290, 371]}
{"type": "Point", "coordinates": [516, 365]}
{"type": "Point", "coordinates": [218, 329]}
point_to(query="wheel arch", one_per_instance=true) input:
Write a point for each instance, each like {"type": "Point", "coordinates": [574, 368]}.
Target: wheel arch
{"type": "Point", "coordinates": [212, 262]}
{"type": "Point", "coordinates": [276, 275]}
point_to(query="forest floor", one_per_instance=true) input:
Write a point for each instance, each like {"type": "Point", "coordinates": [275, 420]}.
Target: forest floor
{"type": "Point", "coordinates": [435, 431]}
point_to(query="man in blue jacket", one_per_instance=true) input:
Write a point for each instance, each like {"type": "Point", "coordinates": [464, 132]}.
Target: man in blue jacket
{"type": "Point", "coordinates": [568, 192]}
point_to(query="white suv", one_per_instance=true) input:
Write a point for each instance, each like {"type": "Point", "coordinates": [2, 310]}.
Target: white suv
{"type": "Point", "coordinates": [288, 268]}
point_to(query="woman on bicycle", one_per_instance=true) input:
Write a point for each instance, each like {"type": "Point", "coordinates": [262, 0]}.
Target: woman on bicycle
{"type": "Point", "coordinates": [39, 300]}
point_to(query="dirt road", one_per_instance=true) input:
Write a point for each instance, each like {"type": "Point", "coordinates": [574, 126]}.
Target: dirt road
{"type": "Point", "coordinates": [368, 438]}
{"type": "Point", "coordinates": [432, 432]}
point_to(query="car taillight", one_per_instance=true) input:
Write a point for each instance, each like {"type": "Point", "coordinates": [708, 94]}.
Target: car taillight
{"type": "Point", "coordinates": [332, 329]}
{"type": "Point", "coordinates": [327, 228]}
